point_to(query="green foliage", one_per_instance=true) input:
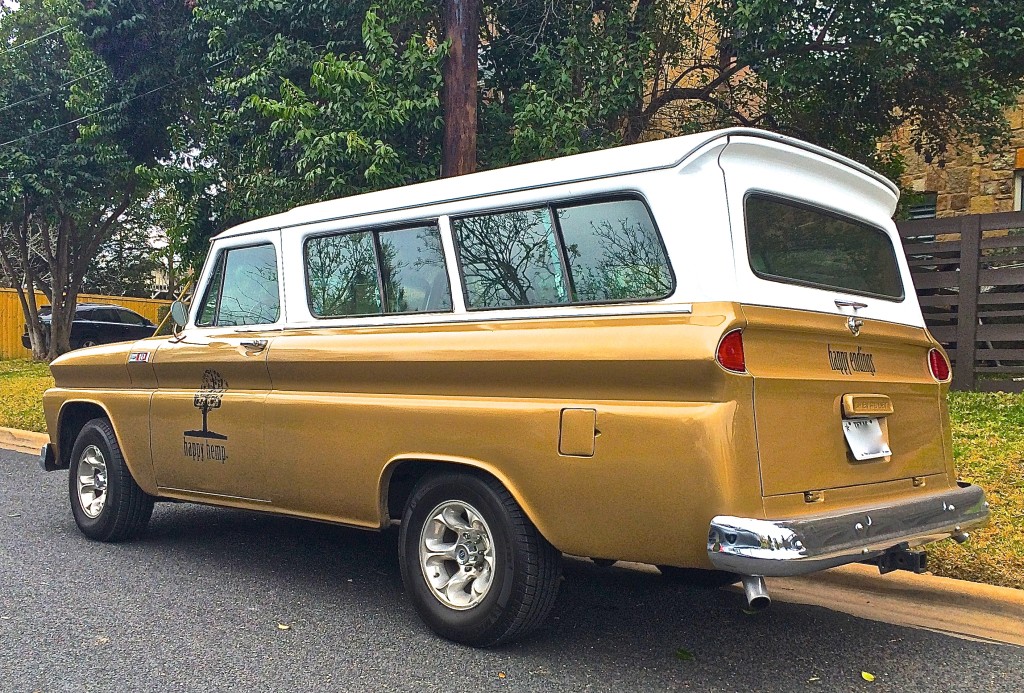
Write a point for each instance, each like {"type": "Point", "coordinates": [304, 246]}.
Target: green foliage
{"type": "Point", "coordinates": [845, 74]}
{"type": "Point", "coordinates": [570, 91]}
{"type": "Point", "coordinates": [88, 90]}
{"type": "Point", "coordinates": [124, 264]}
{"type": "Point", "coordinates": [361, 122]}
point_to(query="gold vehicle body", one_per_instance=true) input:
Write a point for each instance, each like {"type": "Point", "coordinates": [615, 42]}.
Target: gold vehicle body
{"type": "Point", "coordinates": [619, 434]}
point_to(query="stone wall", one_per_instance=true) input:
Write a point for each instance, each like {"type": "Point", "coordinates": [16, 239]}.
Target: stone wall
{"type": "Point", "coordinates": [967, 182]}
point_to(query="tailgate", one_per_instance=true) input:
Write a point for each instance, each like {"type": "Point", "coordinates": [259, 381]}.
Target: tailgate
{"type": "Point", "coordinates": [803, 363]}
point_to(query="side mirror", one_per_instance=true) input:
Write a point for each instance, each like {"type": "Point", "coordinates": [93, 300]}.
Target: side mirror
{"type": "Point", "coordinates": [179, 314]}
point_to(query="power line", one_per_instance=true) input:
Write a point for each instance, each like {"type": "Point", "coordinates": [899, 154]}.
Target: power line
{"type": "Point", "coordinates": [104, 110]}
{"type": "Point", "coordinates": [50, 91]}
{"type": "Point", "coordinates": [37, 38]}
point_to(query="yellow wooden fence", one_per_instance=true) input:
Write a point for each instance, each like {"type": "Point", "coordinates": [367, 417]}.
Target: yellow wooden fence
{"type": "Point", "coordinates": [12, 320]}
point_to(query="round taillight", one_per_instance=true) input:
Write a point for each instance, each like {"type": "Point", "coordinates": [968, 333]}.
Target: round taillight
{"type": "Point", "coordinates": [730, 352]}
{"type": "Point", "coordinates": [938, 365]}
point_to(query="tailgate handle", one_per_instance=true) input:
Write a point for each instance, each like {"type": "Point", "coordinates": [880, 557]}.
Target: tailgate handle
{"type": "Point", "coordinates": [860, 405]}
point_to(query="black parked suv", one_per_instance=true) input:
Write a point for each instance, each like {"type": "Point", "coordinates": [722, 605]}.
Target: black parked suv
{"type": "Point", "coordinates": [98, 323]}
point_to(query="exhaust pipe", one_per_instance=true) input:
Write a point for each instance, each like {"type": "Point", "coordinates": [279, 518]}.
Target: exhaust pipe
{"type": "Point", "coordinates": [757, 592]}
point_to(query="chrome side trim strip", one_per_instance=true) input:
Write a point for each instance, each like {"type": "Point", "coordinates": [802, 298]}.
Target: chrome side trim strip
{"type": "Point", "coordinates": [205, 494]}
{"type": "Point", "coordinates": [779, 548]}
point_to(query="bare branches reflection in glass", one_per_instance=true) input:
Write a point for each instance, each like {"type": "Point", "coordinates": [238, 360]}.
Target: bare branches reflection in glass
{"type": "Point", "coordinates": [614, 252]}
{"type": "Point", "coordinates": [414, 272]}
{"type": "Point", "coordinates": [244, 289]}
{"type": "Point", "coordinates": [510, 259]}
{"type": "Point", "coordinates": [342, 275]}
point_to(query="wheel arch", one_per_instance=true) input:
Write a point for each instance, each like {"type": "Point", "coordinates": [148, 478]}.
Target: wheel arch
{"type": "Point", "coordinates": [402, 473]}
{"type": "Point", "coordinates": [73, 416]}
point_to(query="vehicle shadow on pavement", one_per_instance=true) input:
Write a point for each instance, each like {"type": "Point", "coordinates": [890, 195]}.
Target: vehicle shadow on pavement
{"type": "Point", "coordinates": [613, 628]}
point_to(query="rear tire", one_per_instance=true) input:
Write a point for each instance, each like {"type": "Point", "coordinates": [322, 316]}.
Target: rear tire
{"type": "Point", "coordinates": [477, 570]}
{"type": "Point", "coordinates": [698, 577]}
{"type": "Point", "coordinates": [107, 503]}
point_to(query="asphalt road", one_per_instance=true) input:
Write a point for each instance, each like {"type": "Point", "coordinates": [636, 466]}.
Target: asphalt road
{"type": "Point", "coordinates": [197, 604]}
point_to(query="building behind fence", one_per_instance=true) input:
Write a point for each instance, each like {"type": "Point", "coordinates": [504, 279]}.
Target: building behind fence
{"type": "Point", "coordinates": [12, 320]}
{"type": "Point", "coordinates": [969, 275]}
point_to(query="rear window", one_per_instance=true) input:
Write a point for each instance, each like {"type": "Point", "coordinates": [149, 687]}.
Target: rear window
{"type": "Point", "coordinates": [797, 244]}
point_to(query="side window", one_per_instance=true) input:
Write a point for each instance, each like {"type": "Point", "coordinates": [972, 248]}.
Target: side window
{"type": "Point", "coordinates": [243, 289]}
{"type": "Point", "coordinates": [614, 252]}
{"type": "Point", "coordinates": [581, 253]}
{"type": "Point", "coordinates": [375, 272]}
{"type": "Point", "coordinates": [341, 272]}
{"type": "Point", "coordinates": [511, 259]}
{"type": "Point", "coordinates": [415, 279]}
{"type": "Point", "coordinates": [130, 318]}
{"type": "Point", "coordinates": [100, 315]}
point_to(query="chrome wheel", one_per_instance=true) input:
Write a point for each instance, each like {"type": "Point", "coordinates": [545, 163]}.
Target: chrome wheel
{"type": "Point", "coordinates": [457, 555]}
{"type": "Point", "coordinates": [92, 481]}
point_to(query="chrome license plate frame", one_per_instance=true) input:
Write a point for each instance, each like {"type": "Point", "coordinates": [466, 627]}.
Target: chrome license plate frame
{"type": "Point", "coordinates": [865, 438]}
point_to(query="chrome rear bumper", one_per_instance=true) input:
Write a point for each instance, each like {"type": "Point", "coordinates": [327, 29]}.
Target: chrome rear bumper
{"type": "Point", "coordinates": [777, 548]}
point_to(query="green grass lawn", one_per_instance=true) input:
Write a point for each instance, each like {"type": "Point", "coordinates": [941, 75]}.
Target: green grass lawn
{"type": "Point", "coordinates": [988, 441]}
{"type": "Point", "coordinates": [21, 390]}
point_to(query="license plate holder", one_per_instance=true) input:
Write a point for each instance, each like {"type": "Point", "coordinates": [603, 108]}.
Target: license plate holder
{"type": "Point", "coordinates": [866, 438]}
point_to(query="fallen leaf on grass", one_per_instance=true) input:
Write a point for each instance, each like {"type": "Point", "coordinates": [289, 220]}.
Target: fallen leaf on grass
{"type": "Point", "coordinates": [501, 674]}
{"type": "Point", "coordinates": [867, 676]}
{"type": "Point", "coordinates": [684, 655]}
{"type": "Point", "coordinates": [283, 626]}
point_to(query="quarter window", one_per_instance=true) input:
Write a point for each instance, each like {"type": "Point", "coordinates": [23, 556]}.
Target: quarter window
{"type": "Point", "coordinates": [374, 272]}
{"type": "Point", "coordinates": [614, 252]}
{"type": "Point", "coordinates": [243, 289]}
{"type": "Point", "coordinates": [584, 253]}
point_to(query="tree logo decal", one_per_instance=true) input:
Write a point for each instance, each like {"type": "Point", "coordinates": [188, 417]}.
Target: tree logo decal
{"type": "Point", "coordinates": [207, 398]}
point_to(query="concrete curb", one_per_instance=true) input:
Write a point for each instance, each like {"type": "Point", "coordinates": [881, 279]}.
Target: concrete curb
{"type": "Point", "coordinates": [942, 604]}
{"type": "Point", "coordinates": [22, 441]}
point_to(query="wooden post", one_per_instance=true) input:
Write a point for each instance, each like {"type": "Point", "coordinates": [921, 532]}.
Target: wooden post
{"type": "Point", "coordinates": [967, 309]}
{"type": "Point", "coordinates": [459, 93]}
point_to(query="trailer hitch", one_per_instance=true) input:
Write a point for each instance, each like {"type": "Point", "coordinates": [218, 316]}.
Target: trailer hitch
{"type": "Point", "coordinates": [901, 558]}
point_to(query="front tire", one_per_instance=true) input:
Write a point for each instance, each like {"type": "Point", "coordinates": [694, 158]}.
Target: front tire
{"type": "Point", "coordinates": [107, 503]}
{"type": "Point", "coordinates": [476, 569]}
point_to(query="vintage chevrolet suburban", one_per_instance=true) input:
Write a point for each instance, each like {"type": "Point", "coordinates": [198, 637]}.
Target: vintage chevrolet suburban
{"type": "Point", "coordinates": [703, 353]}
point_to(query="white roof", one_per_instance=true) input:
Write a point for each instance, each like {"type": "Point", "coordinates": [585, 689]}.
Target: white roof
{"type": "Point", "coordinates": [634, 158]}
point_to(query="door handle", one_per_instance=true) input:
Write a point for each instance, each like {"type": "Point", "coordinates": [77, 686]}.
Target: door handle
{"type": "Point", "coordinates": [256, 345]}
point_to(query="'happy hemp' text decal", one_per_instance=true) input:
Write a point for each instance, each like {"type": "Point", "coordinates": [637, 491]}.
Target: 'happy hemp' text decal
{"type": "Point", "coordinates": [207, 398]}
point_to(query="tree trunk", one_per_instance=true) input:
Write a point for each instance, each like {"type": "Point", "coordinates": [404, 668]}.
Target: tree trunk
{"type": "Point", "coordinates": [459, 94]}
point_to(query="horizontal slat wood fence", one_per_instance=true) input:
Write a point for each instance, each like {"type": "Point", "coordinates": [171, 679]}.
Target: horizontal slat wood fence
{"type": "Point", "coordinates": [12, 320]}
{"type": "Point", "coordinates": [969, 276]}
